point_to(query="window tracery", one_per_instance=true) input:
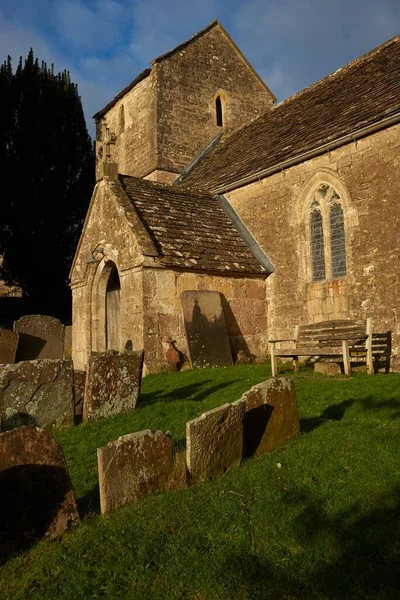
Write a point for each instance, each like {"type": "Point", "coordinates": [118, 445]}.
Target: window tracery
{"type": "Point", "coordinates": [327, 235]}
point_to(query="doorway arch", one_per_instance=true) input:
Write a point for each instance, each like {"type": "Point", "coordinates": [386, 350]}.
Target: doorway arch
{"type": "Point", "coordinates": [106, 323]}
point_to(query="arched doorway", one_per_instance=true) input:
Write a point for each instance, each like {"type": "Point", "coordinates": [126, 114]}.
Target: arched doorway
{"type": "Point", "coordinates": [113, 309]}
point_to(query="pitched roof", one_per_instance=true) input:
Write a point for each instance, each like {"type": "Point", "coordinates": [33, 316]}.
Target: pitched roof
{"type": "Point", "coordinates": [363, 92]}
{"type": "Point", "coordinates": [192, 39]}
{"type": "Point", "coordinates": [189, 229]}
{"type": "Point", "coordinates": [127, 89]}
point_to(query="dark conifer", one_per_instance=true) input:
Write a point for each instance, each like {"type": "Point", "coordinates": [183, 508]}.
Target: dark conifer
{"type": "Point", "coordinates": [47, 175]}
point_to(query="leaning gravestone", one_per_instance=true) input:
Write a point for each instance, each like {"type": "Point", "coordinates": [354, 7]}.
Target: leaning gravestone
{"type": "Point", "coordinates": [271, 417]}
{"type": "Point", "coordinates": [112, 383]}
{"type": "Point", "coordinates": [132, 466]}
{"type": "Point", "coordinates": [214, 441]}
{"type": "Point", "coordinates": [8, 346]}
{"type": "Point", "coordinates": [36, 496]}
{"type": "Point", "coordinates": [37, 392]}
{"type": "Point", "coordinates": [40, 337]}
{"type": "Point", "coordinates": [205, 327]}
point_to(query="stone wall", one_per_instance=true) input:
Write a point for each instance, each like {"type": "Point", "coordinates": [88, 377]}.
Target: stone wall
{"type": "Point", "coordinates": [243, 301]}
{"type": "Point", "coordinates": [188, 82]}
{"type": "Point", "coordinates": [367, 177]}
{"type": "Point", "coordinates": [132, 120]}
{"type": "Point", "coordinates": [107, 227]}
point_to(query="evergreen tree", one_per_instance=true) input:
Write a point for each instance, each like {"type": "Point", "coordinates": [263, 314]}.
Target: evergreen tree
{"type": "Point", "coordinates": [47, 177]}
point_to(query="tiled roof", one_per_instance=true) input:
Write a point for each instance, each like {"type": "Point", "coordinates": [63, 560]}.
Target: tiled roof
{"type": "Point", "coordinates": [362, 93]}
{"type": "Point", "coordinates": [189, 229]}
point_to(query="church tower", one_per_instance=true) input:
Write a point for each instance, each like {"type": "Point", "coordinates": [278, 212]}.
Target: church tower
{"type": "Point", "coordinates": [162, 120]}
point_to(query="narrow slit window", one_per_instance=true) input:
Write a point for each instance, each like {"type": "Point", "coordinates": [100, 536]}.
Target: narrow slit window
{"type": "Point", "coordinates": [317, 246]}
{"type": "Point", "coordinates": [218, 110]}
{"type": "Point", "coordinates": [338, 241]}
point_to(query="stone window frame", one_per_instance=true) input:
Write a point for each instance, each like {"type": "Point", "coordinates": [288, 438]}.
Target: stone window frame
{"type": "Point", "coordinates": [329, 178]}
{"type": "Point", "coordinates": [223, 97]}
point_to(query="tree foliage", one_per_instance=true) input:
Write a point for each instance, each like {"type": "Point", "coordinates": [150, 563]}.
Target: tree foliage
{"type": "Point", "coordinates": [47, 177]}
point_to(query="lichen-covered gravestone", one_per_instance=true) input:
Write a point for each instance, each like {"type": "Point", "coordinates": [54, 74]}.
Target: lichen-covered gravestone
{"type": "Point", "coordinates": [8, 346]}
{"type": "Point", "coordinates": [36, 496]}
{"type": "Point", "coordinates": [214, 441]}
{"type": "Point", "coordinates": [37, 392]}
{"type": "Point", "coordinates": [112, 383]}
{"type": "Point", "coordinates": [132, 466]}
{"type": "Point", "coordinates": [40, 337]}
{"type": "Point", "coordinates": [271, 417]}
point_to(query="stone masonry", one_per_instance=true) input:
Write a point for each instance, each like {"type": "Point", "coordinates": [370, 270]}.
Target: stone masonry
{"type": "Point", "coordinates": [271, 417]}
{"type": "Point", "coordinates": [36, 496]}
{"type": "Point", "coordinates": [214, 441]}
{"type": "Point", "coordinates": [112, 383]}
{"type": "Point", "coordinates": [133, 466]}
{"type": "Point", "coordinates": [37, 392]}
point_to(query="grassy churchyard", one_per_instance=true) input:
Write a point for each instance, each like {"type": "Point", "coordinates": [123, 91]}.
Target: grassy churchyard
{"type": "Point", "coordinates": [317, 519]}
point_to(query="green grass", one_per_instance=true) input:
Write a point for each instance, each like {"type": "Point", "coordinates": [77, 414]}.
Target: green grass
{"type": "Point", "coordinates": [323, 526]}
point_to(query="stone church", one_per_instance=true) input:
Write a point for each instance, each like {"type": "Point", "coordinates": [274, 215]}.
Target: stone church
{"type": "Point", "coordinates": [288, 210]}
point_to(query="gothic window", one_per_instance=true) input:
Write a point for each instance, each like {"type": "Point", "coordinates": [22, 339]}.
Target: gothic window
{"type": "Point", "coordinates": [317, 243]}
{"type": "Point", "coordinates": [218, 111]}
{"type": "Point", "coordinates": [327, 235]}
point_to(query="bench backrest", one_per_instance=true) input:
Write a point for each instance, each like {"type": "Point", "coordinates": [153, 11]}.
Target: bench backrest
{"type": "Point", "coordinates": [331, 333]}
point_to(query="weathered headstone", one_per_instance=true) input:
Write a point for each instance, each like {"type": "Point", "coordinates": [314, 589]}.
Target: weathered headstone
{"type": "Point", "coordinates": [112, 383]}
{"type": "Point", "coordinates": [205, 327]}
{"type": "Point", "coordinates": [8, 346]}
{"type": "Point", "coordinates": [271, 417]}
{"type": "Point", "coordinates": [36, 496]}
{"type": "Point", "coordinates": [79, 394]}
{"type": "Point", "coordinates": [132, 466]}
{"type": "Point", "coordinates": [214, 441]}
{"type": "Point", "coordinates": [40, 337]}
{"type": "Point", "coordinates": [36, 392]}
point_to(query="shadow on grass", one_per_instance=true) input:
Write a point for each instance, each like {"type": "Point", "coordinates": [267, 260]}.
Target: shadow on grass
{"type": "Point", "coordinates": [90, 502]}
{"type": "Point", "coordinates": [335, 412]}
{"type": "Point", "coordinates": [350, 555]}
{"type": "Point", "coordinates": [195, 392]}
{"type": "Point", "coordinates": [392, 405]}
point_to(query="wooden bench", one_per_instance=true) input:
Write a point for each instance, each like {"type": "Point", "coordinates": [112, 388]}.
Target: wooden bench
{"type": "Point", "coordinates": [344, 340]}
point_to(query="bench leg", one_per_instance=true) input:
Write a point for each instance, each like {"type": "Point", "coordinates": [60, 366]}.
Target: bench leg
{"type": "Point", "coordinates": [296, 365]}
{"type": "Point", "coordinates": [346, 357]}
{"type": "Point", "coordinates": [274, 366]}
{"type": "Point", "coordinates": [368, 346]}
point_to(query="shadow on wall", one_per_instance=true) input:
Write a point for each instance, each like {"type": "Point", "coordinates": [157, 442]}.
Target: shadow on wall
{"type": "Point", "coordinates": [30, 498]}
{"type": "Point", "coordinates": [236, 339]}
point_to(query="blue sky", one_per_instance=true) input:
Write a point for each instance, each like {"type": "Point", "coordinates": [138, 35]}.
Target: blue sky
{"type": "Point", "coordinates": [106, 43]}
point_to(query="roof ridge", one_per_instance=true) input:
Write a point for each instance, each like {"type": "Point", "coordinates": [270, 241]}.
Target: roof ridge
{"type": "Point", "coordinates": [173, 188]}
{"type": "Point", "coordinates": [186, 42]}
{"type": "Point", "coordinates": [353, 63]}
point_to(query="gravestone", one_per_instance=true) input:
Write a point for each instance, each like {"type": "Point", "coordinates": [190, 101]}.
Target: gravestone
{"type": "Point", "coordinates": [113, 382]}
{"type": "Point", "coordinates": [206, 332]}
{"type": "Point", "coordinates": [271, 417]}
{"type": "Point", "coordinates": [214, 441]}
{"type": "Point", "coordinates": [36, 496]}
{"type": "Point", "coordinates": [327, 368]}
{"type": "Point", "coordinates": [132, 466]}
{"type": "Point", "coordinates": [8, 346]}
{"type": "Point", "coordinates": [40, 337]}
{"type": "Point", "coordinates": [36, 392]}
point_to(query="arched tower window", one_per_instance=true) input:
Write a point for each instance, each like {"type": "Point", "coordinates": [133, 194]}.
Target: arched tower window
{"type": "Point", "coordinates": [218, 111]}
{"type": "Point", "coordinates": [327, 241]}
